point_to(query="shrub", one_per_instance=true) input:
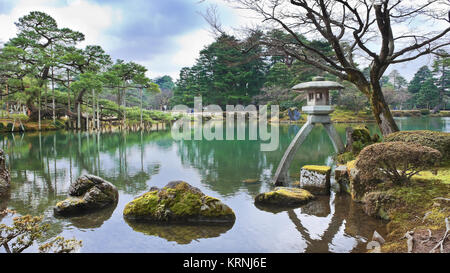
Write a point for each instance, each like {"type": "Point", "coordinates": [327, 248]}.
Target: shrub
{"type": "Point", "coordinates": [437, 140]}
{"type": "Point", "coordinates": [26, 230]}
{"type": "Point", "coordinates": [396, 161]}
{"type": "Point", "coordinates": [424, 111]}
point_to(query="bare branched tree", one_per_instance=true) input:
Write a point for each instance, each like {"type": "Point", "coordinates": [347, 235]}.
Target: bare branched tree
{"type": "Point", "coordinates": [378, 33]}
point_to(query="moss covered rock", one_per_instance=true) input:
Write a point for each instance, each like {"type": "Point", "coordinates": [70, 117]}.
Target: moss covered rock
{"type": "Point", "coordinates": [437, 140]}
{"type": "Point", "coordinates": [375, 204]}
{"type": "Point", "coordinates": [87, 193]}
{"type": "Point", "coordinates": [358, 138]}
{"type": "Point", "coordinates": [283, 196]}
{"type": "Point", "coordinates": [178, 202]}
{"type": "Point", "coordinates": [5, 178]}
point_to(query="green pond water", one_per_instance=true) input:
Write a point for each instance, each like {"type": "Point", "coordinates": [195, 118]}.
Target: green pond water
{"type": "Point", "coordinates": [43, 164]}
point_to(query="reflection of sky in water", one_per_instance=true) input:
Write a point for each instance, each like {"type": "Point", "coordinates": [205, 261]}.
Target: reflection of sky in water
{"type": "Point", "coordinates": [342, 242]}
{"type": "Point", "coordinates": [446, 121]}
{"type": "Point", "coordinates": [44, 164]}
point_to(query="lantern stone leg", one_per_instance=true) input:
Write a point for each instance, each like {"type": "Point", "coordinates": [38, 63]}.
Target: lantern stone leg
{"type": "Point", "coordinates": [335, 138]}
{"type": "Point", "coordinates": [283, 167]}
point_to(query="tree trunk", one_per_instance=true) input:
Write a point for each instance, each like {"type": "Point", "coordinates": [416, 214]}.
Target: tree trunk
{"type": "Point", "coordinates": [381, 111]}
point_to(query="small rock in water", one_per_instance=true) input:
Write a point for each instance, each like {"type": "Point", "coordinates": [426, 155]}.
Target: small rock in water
{"type": "Point", "coordinates": [377, 237]}
{"type": "Point", "coordinates": [87, 193]}
{"type": "Point", "coordinates": [284, 196]}
{"type": "Point", "coordinates": [316, 179]}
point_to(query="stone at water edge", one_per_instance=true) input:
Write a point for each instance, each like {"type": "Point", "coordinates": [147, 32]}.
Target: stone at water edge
{"type": "Point", "coordinates": [178, 202]}
{"type": "Point", "coordinates": [357, 188]}
{"type": "Point", "coordinates": [5, 177]}
{"type": "Point", "coordinates": [284, 196]}
{"type": "Point", "coordinates": [342, 178]}
{"type": "Point", "coordinates": [316, 179]}
{"type": "Point", "coordinates": [87, 193]}
{"type": "Point", "coordinates": [377, 237]}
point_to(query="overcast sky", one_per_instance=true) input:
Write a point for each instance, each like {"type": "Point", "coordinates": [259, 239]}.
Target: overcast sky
{"type": "Point", "coordinates": [163, 35]}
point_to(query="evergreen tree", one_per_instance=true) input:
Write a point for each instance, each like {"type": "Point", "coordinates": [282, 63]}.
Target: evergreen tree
{"type": "Point", "coordinates": [428, 95]}
{"type": "Point", "coordinates": [414, 87]}
{"type": "Point", "coordinates": [441, 71]}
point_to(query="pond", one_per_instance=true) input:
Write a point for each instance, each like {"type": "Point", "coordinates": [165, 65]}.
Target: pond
{"type": "Point", "coordinates": [43, 164]}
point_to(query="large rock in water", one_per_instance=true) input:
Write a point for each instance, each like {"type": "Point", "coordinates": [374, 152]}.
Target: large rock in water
{"type": "Point", "coordinates": [178, 202]}
{"type": "Point", "coordinates": [87, 193]}
{"type": "Point", "coordinates": [283, 196]}
{"type": "Point", "coordinates": [5, 178]}
{"type": "Point", "coordinates": [316, 179]}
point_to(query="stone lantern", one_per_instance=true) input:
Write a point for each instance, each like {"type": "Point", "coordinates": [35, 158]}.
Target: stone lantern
{"type": "Point", "coordinates": [318, 109]}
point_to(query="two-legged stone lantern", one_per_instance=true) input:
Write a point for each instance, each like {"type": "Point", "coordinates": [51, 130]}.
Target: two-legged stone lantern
{"type": "Point", "coordinates": [318, 110]}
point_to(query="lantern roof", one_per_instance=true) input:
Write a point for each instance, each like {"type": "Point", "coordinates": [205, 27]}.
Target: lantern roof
{"type": "Point", "coordinates": [318, 83]}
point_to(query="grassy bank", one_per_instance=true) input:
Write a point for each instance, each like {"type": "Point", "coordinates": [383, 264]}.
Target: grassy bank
{"type": "Point", "coordinates": [422, 207]}
{"type": "Point", "coordinates": [6, 125]}
{"type": "Point", "coordinates": [419, 113]}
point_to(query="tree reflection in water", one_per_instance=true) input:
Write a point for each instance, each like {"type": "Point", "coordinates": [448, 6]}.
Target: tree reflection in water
{"type": "Point", "coordinates": [43, 164]}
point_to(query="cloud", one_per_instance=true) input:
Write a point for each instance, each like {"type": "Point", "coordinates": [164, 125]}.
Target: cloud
{"type": "Point", "coordinates": [6, 6]}
{"type": "Point", "coordinates": [148, 28]}
{"type": "Point", "coordinates": [86, 17]}
{"type": "Point", "coordinates": [185, 52]}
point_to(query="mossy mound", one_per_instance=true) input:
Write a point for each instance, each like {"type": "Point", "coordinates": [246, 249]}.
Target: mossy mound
{"type": "Point", "coordinates": [360, 138]}
{"type": "Point", "coordinates": [178, 202]}
{"type": "Point", "coordinates": [283, 196]}
{"type": "Point", "coordinates": [437, 140]}
{"type": "Point", "coordinates": [86, 194]}
{"type": "Point", "coordinates": [357, 139]}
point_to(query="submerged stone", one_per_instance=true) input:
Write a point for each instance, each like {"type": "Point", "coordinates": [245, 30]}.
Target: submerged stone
{"type": "Point", "coordinates": [315, 179]}
{"type": "Point", "coordinates": [178, 202]}
{"type": "Point", "coordinates": [251, 181]}
{"type": "Point", "coordinates": [283, 196]}
{"type": "Point", "coordinates": [87, 193]}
